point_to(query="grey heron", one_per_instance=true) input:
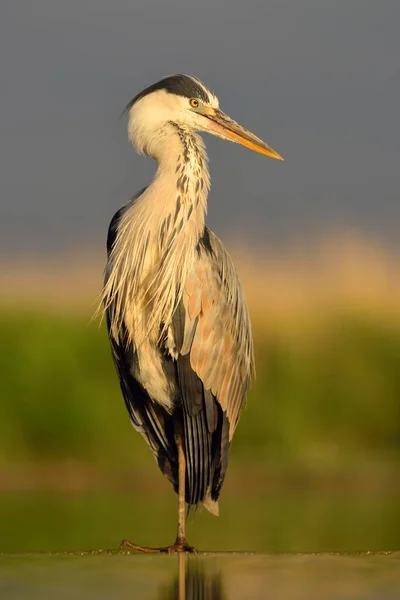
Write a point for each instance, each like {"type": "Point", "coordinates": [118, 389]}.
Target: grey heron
{"type": "Point", "coordinates": [177, 319]}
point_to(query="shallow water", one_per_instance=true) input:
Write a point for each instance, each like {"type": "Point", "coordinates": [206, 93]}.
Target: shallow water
{"type": "Point", "coordinates": [208, 577]}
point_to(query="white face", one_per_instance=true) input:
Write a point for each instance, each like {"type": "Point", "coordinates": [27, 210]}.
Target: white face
{"type": "Point", "coordinates": [150, 114]}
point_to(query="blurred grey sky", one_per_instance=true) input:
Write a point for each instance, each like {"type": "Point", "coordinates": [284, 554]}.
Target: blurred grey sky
{"type": "Point", "coordinates": [317, 80]}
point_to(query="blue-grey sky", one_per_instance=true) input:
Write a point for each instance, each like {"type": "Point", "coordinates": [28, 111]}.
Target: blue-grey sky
{"type": "Point", "coordinates": [317, 80]}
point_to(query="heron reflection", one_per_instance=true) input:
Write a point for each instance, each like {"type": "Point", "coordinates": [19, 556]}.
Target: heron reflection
{"type": "Point", "coordinates": [197, 579]}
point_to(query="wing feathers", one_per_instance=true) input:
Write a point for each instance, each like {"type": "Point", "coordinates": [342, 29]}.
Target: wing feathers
{"type": "Point", "coordinates": [214, 366]}
{"type": "Point", "coordinates": [150, 419]}
{"type": "Point", "coordinates": [211, 411]}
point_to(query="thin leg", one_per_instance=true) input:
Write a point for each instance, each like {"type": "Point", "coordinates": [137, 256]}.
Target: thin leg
{"type": "Point", "coordinates": [181, 532]}
{"type": "Point", "coordinates": [180, 544]}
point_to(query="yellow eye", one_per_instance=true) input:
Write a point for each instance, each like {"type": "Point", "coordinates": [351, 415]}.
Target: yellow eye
{"type": "Point", "coordinates": [194, 103]}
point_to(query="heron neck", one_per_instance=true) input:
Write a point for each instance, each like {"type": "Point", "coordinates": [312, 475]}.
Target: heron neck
{"type": "Point", "coordinates": [157, 239]}
{"type": "Point", "coordinates": [182, 183]}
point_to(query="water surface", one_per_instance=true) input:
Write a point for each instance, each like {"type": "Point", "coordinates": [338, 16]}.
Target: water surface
{"type": "Point", "coordinates": [204, 577]}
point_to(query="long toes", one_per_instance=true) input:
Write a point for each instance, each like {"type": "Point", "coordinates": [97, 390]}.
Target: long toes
{"type": "Point", "coordinates": [179, 546]}
{"type": "Point", "coordinates": [127, 545]}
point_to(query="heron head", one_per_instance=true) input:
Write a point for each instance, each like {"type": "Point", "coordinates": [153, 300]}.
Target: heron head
{"type": "Point", "coordinates": [183, 100]}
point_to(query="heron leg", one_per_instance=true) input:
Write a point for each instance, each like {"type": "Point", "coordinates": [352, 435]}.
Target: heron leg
{"type": "Point", "coordinates": [181, 531]}
{"type": "Point", "coordinates": [180, 544]}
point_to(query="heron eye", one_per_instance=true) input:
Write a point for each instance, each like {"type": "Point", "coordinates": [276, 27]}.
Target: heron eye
{"type": "Point", "coordinates": [194, 103]}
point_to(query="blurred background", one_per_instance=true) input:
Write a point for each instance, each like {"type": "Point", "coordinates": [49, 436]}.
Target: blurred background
{"type": "Point", "coordinates": [314, 465]}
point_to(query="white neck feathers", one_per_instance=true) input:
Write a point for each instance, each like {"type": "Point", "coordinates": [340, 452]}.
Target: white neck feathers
{"type": "Point", "coordinates": [156, 239]}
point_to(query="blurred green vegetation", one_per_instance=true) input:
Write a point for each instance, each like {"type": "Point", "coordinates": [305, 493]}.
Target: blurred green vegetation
{"type": "Point", "coordinates": [314, 460]}
{"type": "Point", "coordinates": [324, 395]}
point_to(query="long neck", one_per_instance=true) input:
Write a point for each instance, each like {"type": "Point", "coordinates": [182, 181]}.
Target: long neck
{"type": "Point", "coordinates": [157, 239]}
{"type": "Point", "coordinates": [180, 188]}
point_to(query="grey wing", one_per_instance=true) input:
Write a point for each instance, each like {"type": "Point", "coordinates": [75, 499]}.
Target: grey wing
{"type": "Point", "coordinates": [217, 333]}
{"type": "Point", "coordinates": [214, 348]}
{"type": "Point", "coordinates": [147, 417]}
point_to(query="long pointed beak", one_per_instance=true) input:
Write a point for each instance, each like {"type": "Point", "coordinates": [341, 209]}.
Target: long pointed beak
{"type": "Point", "coordinates": [225, 127]}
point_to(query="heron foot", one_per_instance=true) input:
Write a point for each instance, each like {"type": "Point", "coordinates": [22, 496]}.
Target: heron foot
{"type": "Point", "coordinates": [180, 545]}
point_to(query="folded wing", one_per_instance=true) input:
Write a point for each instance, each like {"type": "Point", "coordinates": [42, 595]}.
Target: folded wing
{"type": "Point", "coordinates": [212, 335]}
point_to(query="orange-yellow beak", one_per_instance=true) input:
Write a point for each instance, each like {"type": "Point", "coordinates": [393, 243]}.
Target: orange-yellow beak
{"type": "Point", "coordinates": [225, 127]}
